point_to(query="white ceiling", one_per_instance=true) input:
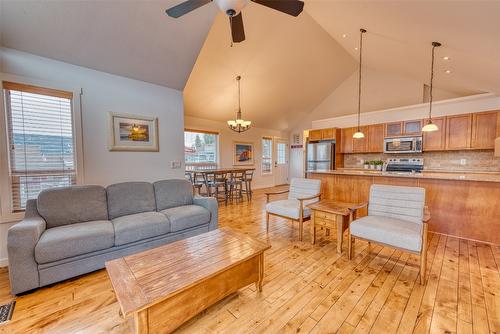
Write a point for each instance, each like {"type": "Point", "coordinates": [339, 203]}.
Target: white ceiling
{"type": "Point", "coordinates": [288, 65]}
{"type": "Point", "coordinates": [400, 34]}
{"type": "Point", "coordinates": [135, 39]}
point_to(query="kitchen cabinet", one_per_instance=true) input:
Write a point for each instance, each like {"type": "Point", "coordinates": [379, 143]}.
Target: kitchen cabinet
{"type": "Point", "coordinates": [435, 140]}
{"type": "Point", "coordinates": [376, 138]}
{"type": "Point", "coordinates": [347, 139]}
{"type": "Point", "coordinates": [412, 128]}
{"type": "Point", "coordinates": [314, 135]}
{"type": "Point", "coordinates": [458, 132]}
{"type": "Point", "coordinates": [360, 145]}
{"type": "Point", "coordinates": [484, 129]}
{"type": "Point", "coordinates": [322, 134]}
{"type": "Point", "coordinates": [393, 129]}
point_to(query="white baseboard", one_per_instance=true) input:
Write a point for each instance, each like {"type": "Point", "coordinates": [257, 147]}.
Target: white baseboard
{"type": "Point", "coordinates": [4, 262]}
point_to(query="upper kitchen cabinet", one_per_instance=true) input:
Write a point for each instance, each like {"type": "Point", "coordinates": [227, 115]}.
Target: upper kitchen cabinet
{"type": "Point", "coordinates": [360, 145]}
{"type": "Point", "coordinates": [393, 129]}
{"type": "Point", "coordinates": [322, 134]}
{"type": "Point", "coordinates": [376, 138]}
{"type": "Point", "coordinates": [412, 127]}
{"type": "Point", "coordinates": [484, 129]}
{"type": "Point", "coordinates": [347, 139]}
{"type": "Point", "coordinates": [436, 140]}
{"type": "Point", "coordinates": [458, 132]}
{"type": "Point", "coordinates": [314, 135]}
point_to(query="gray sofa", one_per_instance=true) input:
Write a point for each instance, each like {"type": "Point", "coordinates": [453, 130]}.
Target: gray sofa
{"type": "Point", "coordinates": [71, 231]}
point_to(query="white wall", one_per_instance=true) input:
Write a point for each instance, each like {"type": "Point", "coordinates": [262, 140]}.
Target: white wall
{"type": "Point", "coordinates": [104, 92]}
{"type": "Point", "coordinates": [226, 139]}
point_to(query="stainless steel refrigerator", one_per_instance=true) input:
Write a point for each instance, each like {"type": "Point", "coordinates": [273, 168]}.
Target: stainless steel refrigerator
{"type": "Point", "coordinates": [320, 156]}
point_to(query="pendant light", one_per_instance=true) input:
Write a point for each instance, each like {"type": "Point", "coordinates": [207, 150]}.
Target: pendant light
{"type": "Point", "coordinates": [239, 125]}
{"type": "Point", "coordinates": [430, 126]}
{"type": "Point", "coordinates": [359, 134]}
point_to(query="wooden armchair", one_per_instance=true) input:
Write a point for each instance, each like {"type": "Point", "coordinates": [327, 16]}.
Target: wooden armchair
{"type": "Point", "coordinates": [397, 217]}
{"type": "Point", "coordinates": [301, 193]}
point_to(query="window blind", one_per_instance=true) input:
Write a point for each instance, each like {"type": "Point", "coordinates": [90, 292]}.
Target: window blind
{"type": "Point", "coordinates": [41, 141]}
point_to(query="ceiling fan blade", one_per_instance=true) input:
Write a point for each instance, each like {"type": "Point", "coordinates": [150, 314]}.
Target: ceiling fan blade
{"type": "Point", "coordinates": [290, 7]}
{"type": "Point", "coordinates": [185, 7]}
{"type": "Point", "coordinates": [237, 29]}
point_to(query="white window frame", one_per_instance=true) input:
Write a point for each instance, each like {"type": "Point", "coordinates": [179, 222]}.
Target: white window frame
{"type": "Point", "coordinates": [6, 213]}
{"type": "Point", "coordinates": [217, 146]}
{"type": "Point", "coordinates": [263, 158]}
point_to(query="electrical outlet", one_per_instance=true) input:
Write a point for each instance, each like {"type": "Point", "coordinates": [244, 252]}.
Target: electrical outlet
{"type": "Point", "coordinates": [463, 161]}
{"type": "Point", "coordinates": [175, 164]}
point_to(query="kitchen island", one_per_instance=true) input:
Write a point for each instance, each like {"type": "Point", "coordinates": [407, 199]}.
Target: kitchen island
{"type": "Point", "coordinates": [465, 205]}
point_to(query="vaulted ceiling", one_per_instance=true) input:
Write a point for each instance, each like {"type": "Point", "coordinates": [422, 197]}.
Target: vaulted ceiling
{"type": "Point", "coordinates": [289, 65]}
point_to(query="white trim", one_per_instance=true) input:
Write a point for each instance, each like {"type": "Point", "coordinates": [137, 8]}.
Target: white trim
{"type": "Point", "coordinates": [6, 214]}
{"type": "Point", "coordinates": [461, 105]}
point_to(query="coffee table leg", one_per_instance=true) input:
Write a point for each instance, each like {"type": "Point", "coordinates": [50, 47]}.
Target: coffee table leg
{"type": "Point", "coordinates": [340, 233]}
{"type": "Point", "coordinates": [141, 322]}
{"type": "Point", "coordinates": [261, 273]}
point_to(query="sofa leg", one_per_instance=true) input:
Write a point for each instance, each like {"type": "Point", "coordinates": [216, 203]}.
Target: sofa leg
{"type": "Point", "coordinates": [267, 222]}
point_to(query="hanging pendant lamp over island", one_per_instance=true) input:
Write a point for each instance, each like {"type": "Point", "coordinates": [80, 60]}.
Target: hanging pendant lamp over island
{"type": "Point", "coordinates": [239, 125]}
{"type": "Point", "coordinates": [359, 134]}
{"type": "Point", "coordinates": [430, 126]}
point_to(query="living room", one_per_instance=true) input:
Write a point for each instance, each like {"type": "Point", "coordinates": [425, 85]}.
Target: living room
{"type": "Point", "coordinates": [235, 166]}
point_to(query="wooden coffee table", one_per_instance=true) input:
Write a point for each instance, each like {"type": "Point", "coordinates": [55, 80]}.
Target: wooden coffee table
{"type": "Point", "coordinates": [332, 214]}
{"type": "Point", "coordinates": [164, 287]}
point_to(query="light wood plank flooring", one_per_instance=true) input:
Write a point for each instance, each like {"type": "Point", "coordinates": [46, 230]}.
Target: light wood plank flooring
{"type": "Point", "coordinates": [307, 289]}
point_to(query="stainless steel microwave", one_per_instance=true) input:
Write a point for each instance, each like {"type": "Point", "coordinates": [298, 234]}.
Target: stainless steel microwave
{"type": "Point", "coordinates": [403, 144]}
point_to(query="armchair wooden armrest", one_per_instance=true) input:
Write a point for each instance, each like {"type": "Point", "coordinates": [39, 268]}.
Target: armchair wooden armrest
{"type": "Point", "coordinates": [309, 198]}
{"type": "Point", "coordinates": [275, 193]}
{"type": "Point", "coordinates": [427, 214]}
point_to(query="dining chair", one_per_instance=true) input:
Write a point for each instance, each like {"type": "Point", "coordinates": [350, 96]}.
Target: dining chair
{"type": "Point", "coordinates": [217, 185]}
{"type": "Point", "coordinates": [247, 182]}
{"type": "Point", "coordinates": [301, 193]}
{"type": "Point", "coordinates": [397, 217]}
{"type": "Point", "coordinates": [235, 185]}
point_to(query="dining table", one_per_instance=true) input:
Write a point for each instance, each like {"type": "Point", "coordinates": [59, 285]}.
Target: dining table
{"type": "Point", "coordinates": [216, 171]}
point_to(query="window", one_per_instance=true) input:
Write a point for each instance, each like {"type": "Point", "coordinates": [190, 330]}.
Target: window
{"type": "Point", "coordinates": [40, 139]}
{"type": "Point", "coordinates": [201, 149]}
{"type": "Point", "coordinates": [281, 152]}
{"type": "Point", "coordinates": [267, 155]}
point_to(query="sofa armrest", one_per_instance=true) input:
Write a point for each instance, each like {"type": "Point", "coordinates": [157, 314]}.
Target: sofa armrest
{"type": "Point", "coordinates": [211, 205]}
{"type": "Point", "coordinates": [21, 241]}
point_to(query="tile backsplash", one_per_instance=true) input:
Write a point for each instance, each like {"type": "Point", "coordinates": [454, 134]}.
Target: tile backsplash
{"type": "Point", "coordinates": [475, 161]}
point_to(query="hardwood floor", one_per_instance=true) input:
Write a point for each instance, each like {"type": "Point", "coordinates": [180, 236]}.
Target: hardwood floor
{"type": "Point", "coordinates": [307, 289]}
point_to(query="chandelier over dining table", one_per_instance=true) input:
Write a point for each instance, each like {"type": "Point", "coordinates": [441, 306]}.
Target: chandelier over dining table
{"type": "Point", "coordinates": [239, 125]}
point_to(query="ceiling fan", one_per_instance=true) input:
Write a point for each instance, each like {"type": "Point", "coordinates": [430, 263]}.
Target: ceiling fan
{"type": "Point", "coordinates": [233, 9]}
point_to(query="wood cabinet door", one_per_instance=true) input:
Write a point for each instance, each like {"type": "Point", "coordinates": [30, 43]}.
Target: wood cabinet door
{"type": "Point", "coordinates": [435, 140]}
{"type": "Point", "coordinates": [328, 134]}
{"type": "Point", "coordinates": [458, 132]}
{"type": "Point", "coordinates": [314, 135]}
{"type": "Point", "coordinates": [413, 127]}
{"type": "Point", "coordinates": [393, 129]}
{"type": "Point", "coordinates": [360, 145]}
{"type": "Point", "coordinates": [347, 139]}
{"type": "Point", "coordinates": [484, 129]}
{"type": "Point", "coordinates": [376, 138]}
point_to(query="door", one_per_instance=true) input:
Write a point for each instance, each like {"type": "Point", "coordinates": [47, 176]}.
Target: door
{"type": "Point", "coordinates": [281, 161]}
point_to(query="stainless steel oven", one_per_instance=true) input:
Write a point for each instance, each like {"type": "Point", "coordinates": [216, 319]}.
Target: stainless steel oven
{"type": "Point", "coordinates": [403, 144]}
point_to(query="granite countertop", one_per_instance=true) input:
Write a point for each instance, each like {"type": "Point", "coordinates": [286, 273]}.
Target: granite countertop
{"type": "Point", "coordinates": [440, 175]}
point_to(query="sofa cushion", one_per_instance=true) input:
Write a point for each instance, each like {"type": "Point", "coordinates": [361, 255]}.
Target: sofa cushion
{"type": "Point", "coordinates": [71, 240]}
{"type": "Point", "coordinates": [130, 197]}
{"type": "Point", "coordinates": [287, 208]}
{"type": "Point", "coordinates": [70, 205]}
{"type": "Point", "coordinates": [391, 231]}
{"type": "Point", "coordinates": [172, 193]}
{"type": "Point", "coordinates": [186, 216]}
{"type": "Point", "coordinates": [139, 226]}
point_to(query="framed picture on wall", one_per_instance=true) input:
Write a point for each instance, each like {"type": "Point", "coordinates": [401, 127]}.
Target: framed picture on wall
{"type": "Point", "coordinates": [243, 153]}
{"type": "Point", "coordinates": [132, 133]}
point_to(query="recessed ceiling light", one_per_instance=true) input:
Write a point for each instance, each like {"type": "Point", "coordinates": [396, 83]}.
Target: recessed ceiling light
{"type": "Point", "coordinates": [446, 58]}
{"type": "Point", "coordinates": [344, 35]}
{"type": "Point", "coordinates": [447, 71]}
{"type": "Point", "coordinates": [355, 49]}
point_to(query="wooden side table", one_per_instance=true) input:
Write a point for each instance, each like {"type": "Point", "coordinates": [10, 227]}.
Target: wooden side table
{"type": "Point", "coordinates": [332, 214]}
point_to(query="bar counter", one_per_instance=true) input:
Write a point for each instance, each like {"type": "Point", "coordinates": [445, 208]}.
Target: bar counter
{"type": "Point", "coordinates": [465, 205]}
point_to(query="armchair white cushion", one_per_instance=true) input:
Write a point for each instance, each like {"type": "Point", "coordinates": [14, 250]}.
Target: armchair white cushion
{"type": "Point", "coordinates": [292, 207]}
